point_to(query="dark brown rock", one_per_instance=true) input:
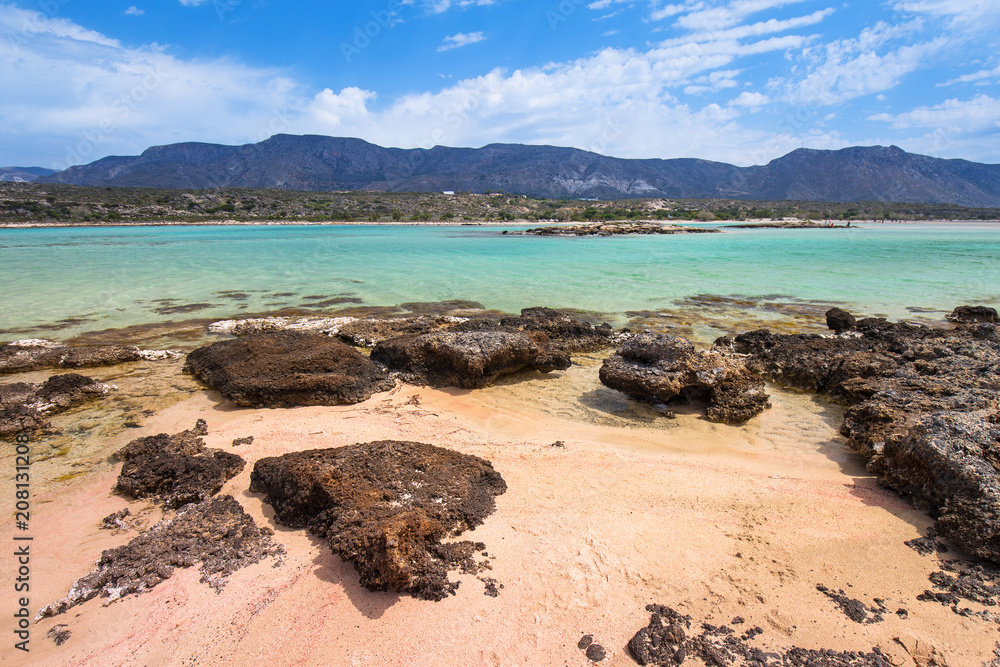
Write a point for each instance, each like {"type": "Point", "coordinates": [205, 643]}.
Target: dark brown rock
{"type": "Point", "coordinates": [663, 368]}
{"type": "Point", "coordinates": [668, 640]}
{"type": "Point", "coordinates": [564, 332]}
{"type": "Point", "coordinates": [596, 653]}
{"type": "Point", "coordinates": [919, 405]}
{"type": "Point", "coordinates": [470, 359]}
{"type": "Point", "coordinates": [286, 369]}
{"type": "Point", "coordinates": [840, 320]}
{"type": "Point", "coordinates": [369, 332]}
{"type": "Point", "coordinates": [22, 404]}
{"type": "Point", "coordinates": [385, 507]}
{"type": "Point", "coordinates": [216, 533]}
{"type": "Point", "coordinates": [21, 358]}
{"type": "Point", "coordinates": [967, 314]}
{"type": "Point", "coordinates": [175, 469]}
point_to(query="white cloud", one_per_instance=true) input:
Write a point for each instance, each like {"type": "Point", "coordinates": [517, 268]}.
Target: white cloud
{"type": "Point", "coordinates": [731, 14]}
{"type": "Point", "coordinates": [461, 39]}
{"type": "Point", "coordinates": [134, 11]}
{"type": "Point", "coordinates": [981, 78]}
{"type": "Point", "coordinates": [969, 116]}
{"type": "Point", "coordinates": [752, 101]}
{"type": "Point", "coordinates": [972, 15]}
{"type": "Point", "coordinates": [441, 6]}
{"type": "Point", "coordinates": [871, 63]}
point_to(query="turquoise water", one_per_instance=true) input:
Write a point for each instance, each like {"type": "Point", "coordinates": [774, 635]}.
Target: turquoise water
{"type": "Point", "coordinates": [97, 278]}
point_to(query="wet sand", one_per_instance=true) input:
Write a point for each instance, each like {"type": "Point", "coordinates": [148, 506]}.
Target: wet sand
{"type": "Point", "coordinates": [634, 508]}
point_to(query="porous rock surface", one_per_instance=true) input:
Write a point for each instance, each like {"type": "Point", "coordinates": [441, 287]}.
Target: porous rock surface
{"type": "Point", "coordinates": [564, 331]}
{"type": "Point", "coordinates": [967, 314]}
{"type": "Point", "coordinates": [471, 355]}
{"type": "Point", "coordinates": [923, 406]}
{"type": "Point", "coordinates": [175, 469]}
{"type": "Point", "coordinates": [385, 507]}
{"type": "Point", "coordinates": [669, 640]}
{"type": "Point", "coordinates": [218, 533]}
{"type": "Point", "coordinates": [23, 405]}
{"type": "Point", "coordinates": [22, 356]}
{"type": "Point", "coordinates": [286, 369]}
{"type": "Point", "coordinates": [664, 368]}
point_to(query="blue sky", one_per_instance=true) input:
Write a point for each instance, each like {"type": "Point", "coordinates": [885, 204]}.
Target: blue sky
{"type": "Point", "coordinates": [740, 81]}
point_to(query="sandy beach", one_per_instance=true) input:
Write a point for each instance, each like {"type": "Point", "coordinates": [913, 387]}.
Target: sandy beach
{"type": "Point", "coordinates": [630, 508]}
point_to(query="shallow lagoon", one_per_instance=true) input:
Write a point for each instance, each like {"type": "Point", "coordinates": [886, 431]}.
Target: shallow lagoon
{"type": "Point", "coordinates": [60, 282]}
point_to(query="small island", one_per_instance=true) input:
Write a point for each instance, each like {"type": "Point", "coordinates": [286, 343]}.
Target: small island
{"type": "Point", "coordinates": [791, 224]}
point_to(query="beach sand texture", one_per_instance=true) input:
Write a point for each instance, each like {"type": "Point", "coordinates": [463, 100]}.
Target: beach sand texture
{"type": "Point", "coordinates": [634, 508]}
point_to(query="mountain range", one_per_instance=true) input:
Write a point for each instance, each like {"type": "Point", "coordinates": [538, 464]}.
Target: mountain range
{"type": "Point", "coordinates": [318, 163]}
{"type": "Point", "coordinates": [23, 174]}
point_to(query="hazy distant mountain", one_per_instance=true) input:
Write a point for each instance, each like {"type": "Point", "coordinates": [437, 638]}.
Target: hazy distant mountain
{"type": "Point", "coordinates": [332, 163]}
{"type": "Point", "coordinates": [23, 174]}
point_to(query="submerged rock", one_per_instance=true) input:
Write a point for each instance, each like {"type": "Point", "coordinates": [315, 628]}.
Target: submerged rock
{"type": "Point", "coordinates": [470, 358]}
{"type": "Point", "coordinates": [386, 507]}
{"type": "Point", "coordinates": [285, 369]}
{"type": "Point", "coordinates": [217, 533]}
{"type": "Point", "coordinates": [662, 368]}
{"type": "Point", "coordinates": [176, 469]}
{"type": "Point", "coordinates": [920, 402]}
{"type": "Point", "coordinates": [23, 405]}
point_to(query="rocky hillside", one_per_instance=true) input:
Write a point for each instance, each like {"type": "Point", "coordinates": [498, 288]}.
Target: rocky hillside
{"type": "Point", "coordinates": [22, 174]}
{"type": "Point", "coordinates": [315, 163]}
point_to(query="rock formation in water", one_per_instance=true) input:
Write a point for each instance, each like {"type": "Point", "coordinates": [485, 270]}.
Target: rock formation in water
{"type": "Point", "coordinates": [662, 368]}
{"type": "Point", "coordinates": [286, 369]}
{"type": "Point", "coordinates": [923, 408]}
{"type": "Point", "coordinates": [33, 355]}
{"type": "Point", "coordinates": [386, 507]}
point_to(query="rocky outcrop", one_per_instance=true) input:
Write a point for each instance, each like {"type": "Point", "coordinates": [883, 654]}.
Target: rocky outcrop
{"type": "Point", "coordinates": [471, 356]}
{"type": "Point", "coordinates": [614, 229]}
{"type": "Point", "coordinates": [23, 405]}
{"type": "Point", "coordinates": [921, 408]}
{"type": "Point", "coordinates": [966, 314]}
{"type": "Point", "coordinates": [564, 331]}
{"type": "Point", "coordinates": [386, 507]}
{"type": "Point", "coordinates": [662, 368]}
{"type": "Point", "coordinates": [285, 369]}
{"type": "Point", "coordinates": [217, 533]}
{"type": "Point", "coordinates": [33, 355]}
{"type": "Point", "coordinates": [175, 469]}
{"type": "Point", "coordinates": [369, 332]}
{"type": "Point", "coordinates": [669, 640]}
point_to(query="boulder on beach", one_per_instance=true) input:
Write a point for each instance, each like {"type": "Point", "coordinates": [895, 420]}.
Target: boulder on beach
{"type": "Point", "coordinates": [217, 533]}
{"type": "Point", "coordinates": [921, 402]}
{"type": "Point", "coordinates": [840, 320]}
{"type": "Point", "coordinates": [23, 404]}
{"type": "Point", "coordinates": [471, 358]}
{"type": "Point", "coordinates": [966, 314]}
{"type": "Point", "coordinates": [286, 369]}
{"type": "Point", "coordinates": [386, 507]}
{"type": "Point", "coordinates": [662, 368]}
{"type": "Point", "coordinates": [175, 469]}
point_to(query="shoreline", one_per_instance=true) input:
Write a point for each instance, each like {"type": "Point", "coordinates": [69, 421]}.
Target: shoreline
{"type": "Point", "coordinates": [722, 224]}
{"type": "Point", "coordinates": [715, 521]}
